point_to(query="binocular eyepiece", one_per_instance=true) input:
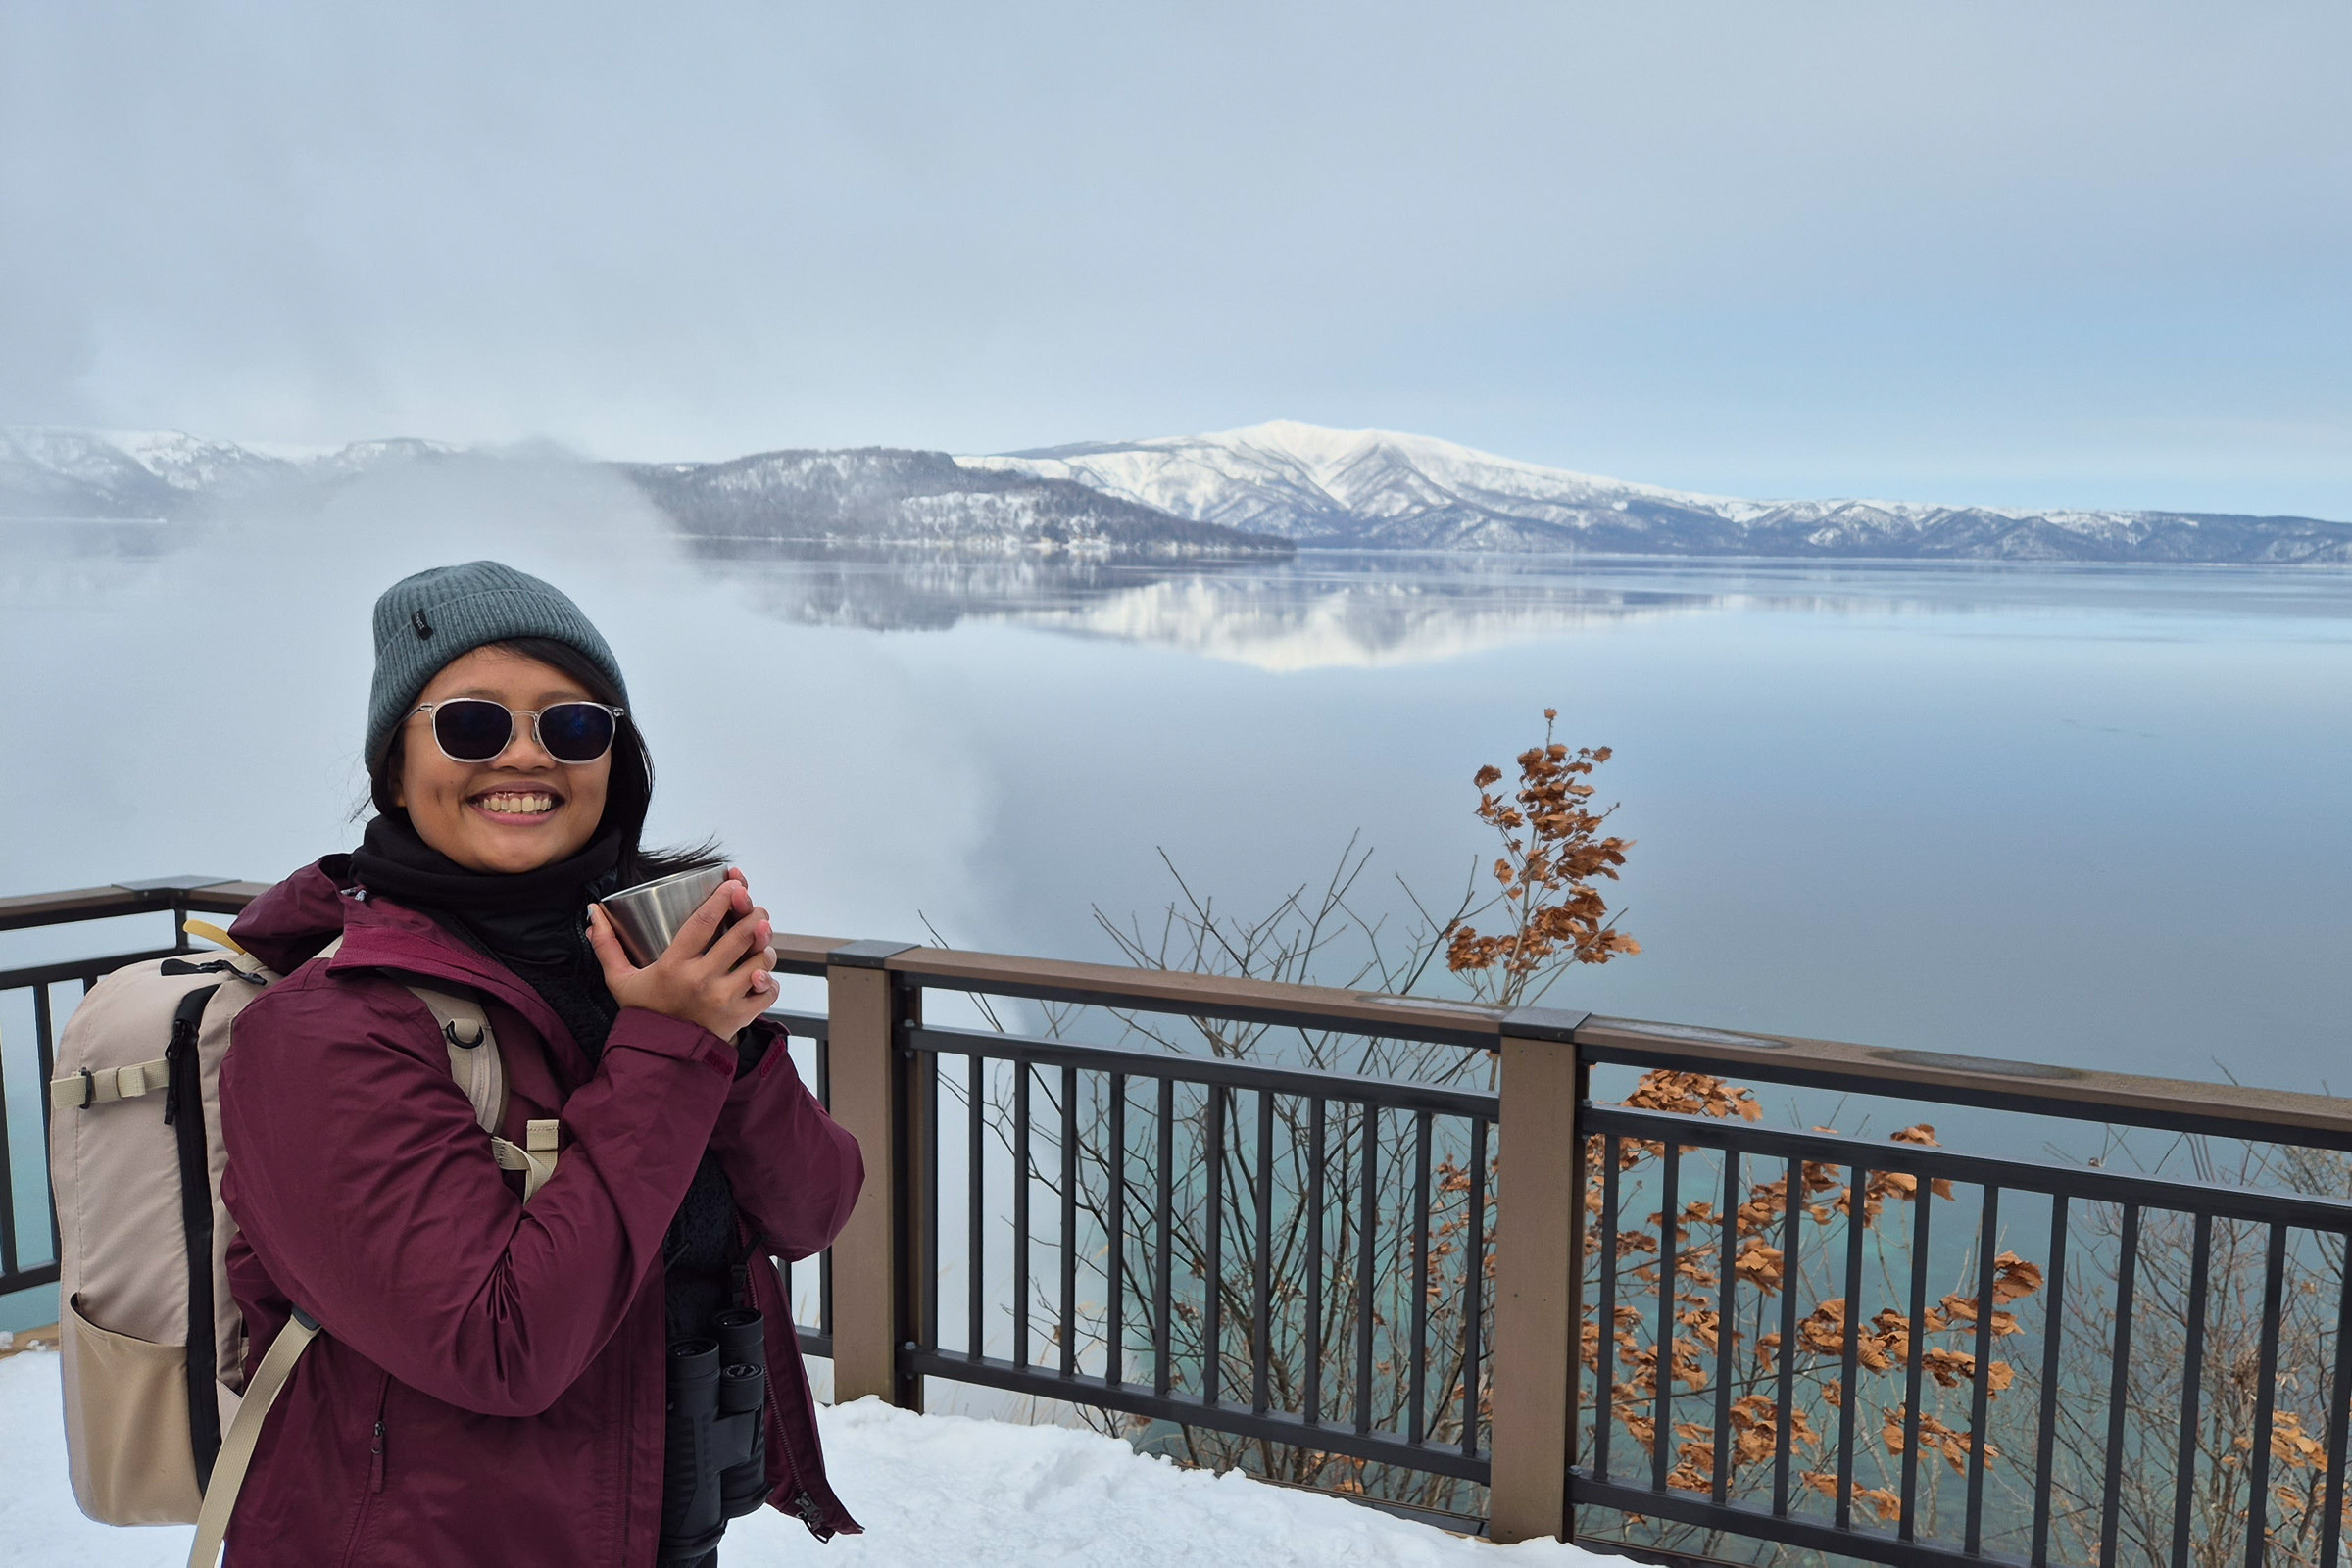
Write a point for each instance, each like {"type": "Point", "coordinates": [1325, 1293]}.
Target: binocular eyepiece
{"type": "Point", "coordinates": [716, 1459]}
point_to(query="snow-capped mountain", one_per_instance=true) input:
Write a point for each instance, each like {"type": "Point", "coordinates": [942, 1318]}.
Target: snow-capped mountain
{"type": "Point", "coordinates": [869, 497]}
{"type": "Point", "coordinates": [120, 475]}
{"type": "Point", "coordinates": [1252, 492]}
{"type": "Point", "coordinates": [117, 476]}
{"type": "Point", "coordinates": [1375, 489]}
{"type": "Point", "coordinates": [880, 495]}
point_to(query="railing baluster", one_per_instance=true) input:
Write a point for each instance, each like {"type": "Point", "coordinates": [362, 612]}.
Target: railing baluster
{"type": "Point", "coordinates": [2119, 1386]}
{"type": "Point", "coordinates": [44, 1049]}
{"type": "Point", "coordinates": [1792, 1242]}
{"type": "Point", "coordinates": [1662, 1404]}
{"type": "Point", "coordinates": [1474, 1278]}
{"type": "Point", "coordinates": [1318, 1159]}
{"type": "Point", "coordinates": [1367, 1238]}
{"type": "Point", "coordinates": [1915, 1357]}
{"type": "Point", "coordinates": [824, 1259]}
{"type": "Point", "coordinates": [2192, 1381]}
{"type": "Point", "coordinates": [2340, 1400]}
{"type": "Point", "coordinates": [1980, 1433]}
{"type": "Point", "coordinates": [1849, 1395]}
{"type": "Point", "coordinates": [1114, 1256]}
{"type": "Point", "coordinates": [974, 1207]}
{"type": "Point", "coordinates": [1604, 1376]}
{"type": "Point", "coordinates": [1725, 1317]}
{"type": "Point", "coordinates": [1261, 1284]}
{"type": "Point", "coordinates": [1416, 1423]}
{"type": "Point", "coordinates": [8, 1188]}
{"type": "Point", "coordinates": [2053, 1334]}
{"type": "Point", "coordinates": [1069, 1222]}
{"type": "Point", "coordinates": [930, 1308]}
{"type": "Point", "coordinates": [824, 1291]}
{"type": "Point", "coordinates": [1213, 1331]}
{"type": "Point", "coordinates": [1725, 1305]}
{"type": "Point", "coordinates": [1163, 1259]}
{"type": "Point", "coordinates": [2266, 1397]}
{"type": "Point", "coordinates": [1020, 1213]}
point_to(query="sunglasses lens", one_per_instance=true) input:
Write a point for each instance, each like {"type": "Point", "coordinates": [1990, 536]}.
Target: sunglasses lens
{"type": "Point", "coordinates": [575, 732]}
{"type": "Point", "coordinates": [472, 730]}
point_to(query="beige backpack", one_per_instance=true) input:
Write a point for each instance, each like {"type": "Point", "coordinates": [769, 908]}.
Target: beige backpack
{"type": "Point", "coordinates": [159, 1422]}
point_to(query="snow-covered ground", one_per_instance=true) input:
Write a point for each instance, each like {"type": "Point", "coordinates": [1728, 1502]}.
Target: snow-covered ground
{"type": "Point", "coordinates": [930, 1490]}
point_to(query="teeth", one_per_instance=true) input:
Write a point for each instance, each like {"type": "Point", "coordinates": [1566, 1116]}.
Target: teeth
{"type": "Point", "coordinates": [513, 805]}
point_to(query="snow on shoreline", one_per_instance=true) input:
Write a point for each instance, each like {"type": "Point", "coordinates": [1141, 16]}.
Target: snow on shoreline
{"type": "Point", "coordinates": [931, 1490]}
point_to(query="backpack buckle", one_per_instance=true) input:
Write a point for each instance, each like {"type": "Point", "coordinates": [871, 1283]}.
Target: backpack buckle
{"type": "Point", "coordinates": [89, 1089]}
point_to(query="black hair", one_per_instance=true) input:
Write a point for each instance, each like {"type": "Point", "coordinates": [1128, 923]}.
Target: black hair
{"type": "Point", "coordinates": [628, 795]}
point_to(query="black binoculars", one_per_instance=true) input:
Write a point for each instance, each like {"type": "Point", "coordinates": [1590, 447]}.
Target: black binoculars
{"type": "Point", "coordinates": [716, 1465]}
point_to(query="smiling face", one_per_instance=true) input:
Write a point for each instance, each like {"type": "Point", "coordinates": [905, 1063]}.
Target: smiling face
{"type": "Point", "coordinates": [521, 809]}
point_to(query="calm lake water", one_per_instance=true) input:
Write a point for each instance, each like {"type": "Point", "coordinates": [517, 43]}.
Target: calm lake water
{"type": "Point", "coordinates": [2088, 816]}
{"type": "Point", "coordinates": [2092, 817]}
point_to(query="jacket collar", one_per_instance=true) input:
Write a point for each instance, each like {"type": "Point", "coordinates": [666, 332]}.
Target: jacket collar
{"type": "Point", "coordinates": [288, 925]}
{"type": "Point", "coordinates": [379, 935]}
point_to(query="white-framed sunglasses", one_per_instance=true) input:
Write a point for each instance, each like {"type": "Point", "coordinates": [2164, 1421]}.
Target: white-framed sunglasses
{"type": "Point", "coordinates": [475, 729]}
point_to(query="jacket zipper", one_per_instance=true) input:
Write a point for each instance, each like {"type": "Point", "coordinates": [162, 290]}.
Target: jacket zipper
{"type": "Point", "coordinates": [803, 1502]}
{"type": "Point", "coordinates": [375, 1452]}
{"type": "Point", "coordinates": [364, 1514]}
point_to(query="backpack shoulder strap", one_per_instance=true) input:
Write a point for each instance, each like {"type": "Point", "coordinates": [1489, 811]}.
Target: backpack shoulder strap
{"type": "Point", "coordinates": [478, 1069]}
{"type": "Point", "coordinates": [473, 1059]}
{"type": "Point", "coordinates": [236, 1449]}
{"type": "Point", "coordinates": [475, 1063]}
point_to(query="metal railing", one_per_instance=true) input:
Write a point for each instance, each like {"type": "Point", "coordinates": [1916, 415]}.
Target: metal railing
{"type": "Point", "coordinates": [1649, 1320]}
{"type": "Point", "coordinates": [2147, 1411]}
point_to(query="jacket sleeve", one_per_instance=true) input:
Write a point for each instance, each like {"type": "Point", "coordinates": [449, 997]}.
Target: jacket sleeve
{"type": "Point", "coordinates": [796, 1173]}
{"type": "Point", "coordinates": [363, 1183]}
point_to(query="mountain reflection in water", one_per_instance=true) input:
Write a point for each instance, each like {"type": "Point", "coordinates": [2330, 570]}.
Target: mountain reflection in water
{"type": "Point", "coordinates": [1369, 609]}
{"type": "Point", "coordinates": [1318, 614]}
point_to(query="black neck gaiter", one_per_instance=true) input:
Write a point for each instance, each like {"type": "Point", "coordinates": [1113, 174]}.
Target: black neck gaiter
{"type": "Point", "coordinates": [534, 922]}
{"type": "Point", "coordinates": [536, 916]}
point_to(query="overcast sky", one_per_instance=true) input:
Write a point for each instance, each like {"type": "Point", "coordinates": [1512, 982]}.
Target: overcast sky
{"type": "Point", "coordinates": [2089, 254]}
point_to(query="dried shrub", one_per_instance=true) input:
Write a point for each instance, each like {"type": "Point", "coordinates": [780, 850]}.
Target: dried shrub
{"type": "Point", "coordinates": [1551, 913]}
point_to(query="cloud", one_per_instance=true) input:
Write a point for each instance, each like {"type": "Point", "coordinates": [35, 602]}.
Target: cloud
{"type": "Point", "coordinates": [1732, 249]}
{"type": "Point", "coordinates": [201, 710]}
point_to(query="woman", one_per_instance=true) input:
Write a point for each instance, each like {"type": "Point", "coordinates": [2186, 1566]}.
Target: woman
{"type": "Point", "coordinates": [488, 1386]}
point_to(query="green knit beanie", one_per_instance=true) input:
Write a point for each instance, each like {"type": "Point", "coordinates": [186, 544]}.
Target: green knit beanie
{"type": "Point", "coordinates": [424, 623]}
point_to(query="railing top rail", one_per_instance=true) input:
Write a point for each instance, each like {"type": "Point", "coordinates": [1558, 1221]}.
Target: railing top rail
{"type": "Point", "coordinates": [2226, 1110]}
{"type": "Point", "coordinates": [1843, 1151]}
{"type": "Point", "coordinates": [116, 899]}
{"type": "Point", "coordinates": [1136, 1062]}
{"type": "Point", "coordinates": [2222, 1110]}
{"type": "Point", "coordinates": [1213, 996]}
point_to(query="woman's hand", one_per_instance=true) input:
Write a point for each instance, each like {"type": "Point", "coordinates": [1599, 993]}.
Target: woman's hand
{"type": "Point", "coordinates": [722, 989]}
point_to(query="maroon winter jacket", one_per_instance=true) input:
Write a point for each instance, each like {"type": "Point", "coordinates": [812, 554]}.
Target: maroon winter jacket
{"type": "Point", "coordinates": [488, 1387]}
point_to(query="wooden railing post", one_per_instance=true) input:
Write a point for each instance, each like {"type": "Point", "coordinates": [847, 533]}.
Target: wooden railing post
{"type": "Point", "coordinates": [1537, 1276]}
{"type": "Point", "coordinates": [876, 1304]}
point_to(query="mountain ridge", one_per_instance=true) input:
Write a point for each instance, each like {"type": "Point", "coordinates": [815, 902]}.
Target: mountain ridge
{"type": "Point", "coordinates": [1262, 490]}
{"type": "Point", "coordinates": [1378, 489]}
{"type": "Point", "coordinates": [871, 497]}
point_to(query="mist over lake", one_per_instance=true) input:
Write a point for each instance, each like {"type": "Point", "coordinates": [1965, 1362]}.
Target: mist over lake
{"type": "Point", "coordinates": [2083, 816]}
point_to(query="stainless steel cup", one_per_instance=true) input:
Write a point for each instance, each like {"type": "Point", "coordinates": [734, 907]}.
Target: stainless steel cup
{"type": "Point", "coordinates": [647, 916]}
